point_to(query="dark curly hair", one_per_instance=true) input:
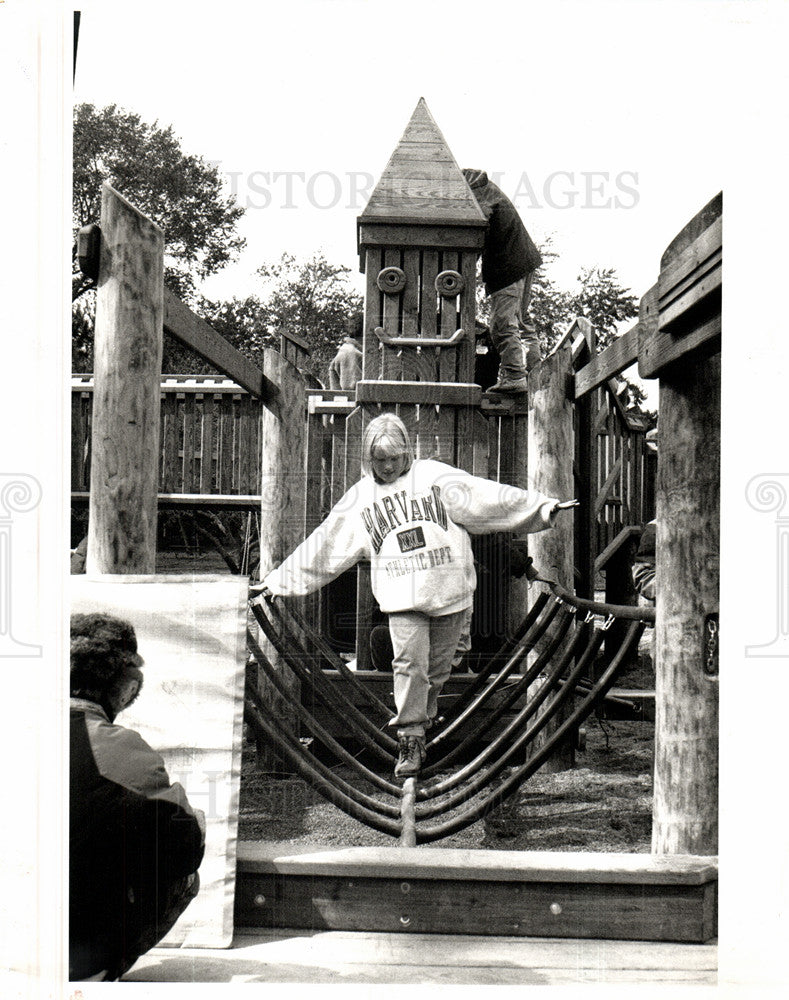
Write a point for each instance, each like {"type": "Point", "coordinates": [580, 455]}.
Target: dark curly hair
{"type": "Point", "coordinates": [103, 658]}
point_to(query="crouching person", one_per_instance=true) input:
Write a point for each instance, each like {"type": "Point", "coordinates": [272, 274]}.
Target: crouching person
{"type": "Point", "coordinates": [135, 842]}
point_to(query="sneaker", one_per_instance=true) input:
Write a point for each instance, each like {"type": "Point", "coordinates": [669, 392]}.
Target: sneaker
{"type": "Point", "coordinates": [511, 386]}
{"type": "Point", "coordinates": [410, 757]}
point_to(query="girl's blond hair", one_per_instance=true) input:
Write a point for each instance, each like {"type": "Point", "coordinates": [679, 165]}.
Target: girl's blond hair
{"type": "Point", "coordinates": [389, 433]}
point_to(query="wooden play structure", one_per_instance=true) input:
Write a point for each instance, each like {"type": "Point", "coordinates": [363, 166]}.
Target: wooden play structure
{"type": "Point", "coordinates": [266, 441]}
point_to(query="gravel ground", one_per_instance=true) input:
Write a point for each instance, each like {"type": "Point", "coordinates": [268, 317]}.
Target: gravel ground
{"type": "Point", "coordinates": [603, 804]}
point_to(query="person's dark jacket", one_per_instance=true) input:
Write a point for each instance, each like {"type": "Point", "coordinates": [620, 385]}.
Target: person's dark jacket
{"type": "Point", "coordinates": [132, 835]}
{"type": "Point", "coordinates": [509, 253]}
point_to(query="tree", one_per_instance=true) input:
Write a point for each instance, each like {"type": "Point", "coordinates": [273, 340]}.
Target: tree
{"type": "Point", "coordinates": [311, 298]}
{"type": "Point", "coordinates": [180, 191]}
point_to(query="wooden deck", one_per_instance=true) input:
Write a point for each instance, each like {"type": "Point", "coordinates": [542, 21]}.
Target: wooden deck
{"type": "Point", "coordinates": [342, 957]}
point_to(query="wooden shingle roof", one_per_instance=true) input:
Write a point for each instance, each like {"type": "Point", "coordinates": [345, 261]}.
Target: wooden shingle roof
{"type": "Point", "coordinates": [422, 183]}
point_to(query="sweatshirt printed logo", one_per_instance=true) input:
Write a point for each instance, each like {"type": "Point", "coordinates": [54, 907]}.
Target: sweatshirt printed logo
{"type": "Point", "coordinates": [417, 561]}
{"type": "Point", "coordinates": [411, 538]}
{"type": "Point", "coordinates": [399, 509]}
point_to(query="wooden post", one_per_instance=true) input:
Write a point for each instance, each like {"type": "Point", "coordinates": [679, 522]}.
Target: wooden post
{"type": "Point", "coordinates": [685, 814]}
{"type": "Point", "coordinates": [586, 463]}
{"type": "Point", "coordinates": [518, 475]}
{"type": "Point", "coordinates": [124, 470]}
{"type": "Point", "coordinates": [551, 451]}
{"type": "Point", "coordinates": [283, 504]}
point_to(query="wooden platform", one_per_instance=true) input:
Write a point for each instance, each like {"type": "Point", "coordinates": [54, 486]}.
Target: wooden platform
{"type": "Point", "coordinates": [343, 957]}
{"type": "Point", "coordinates": [517, 893]}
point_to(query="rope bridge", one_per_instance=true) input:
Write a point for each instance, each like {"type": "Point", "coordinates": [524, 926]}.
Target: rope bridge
{"type": "Point", "coordinates": [441, 801]}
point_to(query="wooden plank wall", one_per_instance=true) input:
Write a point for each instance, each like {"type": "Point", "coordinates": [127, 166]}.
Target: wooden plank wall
{"type": "Point", "coordinates": [210, 438]}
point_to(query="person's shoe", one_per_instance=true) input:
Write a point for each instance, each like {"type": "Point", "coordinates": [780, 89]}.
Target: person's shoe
{"type": "Point", "coordinates": [511, 386]}
{"type": "Point", "coordinates": [410, 757]}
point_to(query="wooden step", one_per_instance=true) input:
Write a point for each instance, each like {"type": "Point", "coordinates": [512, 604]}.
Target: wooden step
{"type": "Point", "coordinates": [448, 891]}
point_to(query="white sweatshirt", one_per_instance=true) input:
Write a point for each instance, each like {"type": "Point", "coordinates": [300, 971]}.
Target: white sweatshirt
{"type": "Point", "coordinates": [414, 531]}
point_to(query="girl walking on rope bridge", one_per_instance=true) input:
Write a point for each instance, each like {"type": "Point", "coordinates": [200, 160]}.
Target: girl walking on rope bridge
{"type": "Point", "coordinates": [411, 519]}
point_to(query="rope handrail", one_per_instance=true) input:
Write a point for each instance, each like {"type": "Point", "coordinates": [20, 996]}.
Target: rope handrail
{"type": "Point", "coordinates": [630, 612]}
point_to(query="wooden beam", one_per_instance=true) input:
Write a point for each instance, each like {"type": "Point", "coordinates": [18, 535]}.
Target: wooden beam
{"type": "Point", "coordinates": [627, 533]}
{"type": "Point", "coordinates": [513, 893]}
{"type": "Point", "coordinates": [385, 391]}
{"type": "Point", "coordinates": [613, 475]}
{"type": "Point", "coordinates": [180, 322]}
{"type": "Point", "coordinates": [689, 293]}
{"type": "Point", "coordinates": [283, 511]}
{"type": "Point", "coordinates": [658, 351]}
{"type": "Point", "coordinates": [551, 442]}
{"type": "Point", "coordinates": [621, 354]}
{"type": "Point", "coordinates": [437, 237]}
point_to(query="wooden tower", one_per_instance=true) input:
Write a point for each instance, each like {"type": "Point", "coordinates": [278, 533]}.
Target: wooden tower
{"type": "Point", "coordinates": [419, 238]}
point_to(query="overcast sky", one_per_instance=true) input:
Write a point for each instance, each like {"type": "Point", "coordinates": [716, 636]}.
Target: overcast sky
{"type": "Point", "coordinates": [604, 122]}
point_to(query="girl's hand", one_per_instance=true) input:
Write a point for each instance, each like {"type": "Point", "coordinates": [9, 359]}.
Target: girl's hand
{"type": "Point", "coordinates": [567, 504]}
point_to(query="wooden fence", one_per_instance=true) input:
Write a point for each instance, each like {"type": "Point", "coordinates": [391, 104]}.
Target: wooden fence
{"type": "Point", "coordinates": [210, 450]}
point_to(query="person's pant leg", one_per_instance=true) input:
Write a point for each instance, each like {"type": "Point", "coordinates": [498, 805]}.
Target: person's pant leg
{"type": "Point", "coordinates": [531, 340]}
{"type": "Point", "coordinates": [505, 329]}
{"type": "Point", "coordinates": [445, 634]}
{"type": "Point", "coordinates": [178, 896]}
{"type": "Point", "coordinates": [410, 632]}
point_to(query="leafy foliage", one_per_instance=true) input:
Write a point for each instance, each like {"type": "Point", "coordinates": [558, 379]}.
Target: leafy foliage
{"type": "Point", "coordinates": [180, 191]}
{"type": "Point", "coordinates": [311, 298]}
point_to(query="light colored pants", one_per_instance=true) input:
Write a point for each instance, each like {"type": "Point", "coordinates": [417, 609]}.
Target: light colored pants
{"type": "Point", "coordinates": [508, 309]}
{"type": "Point", "coordinates": [424, 647]}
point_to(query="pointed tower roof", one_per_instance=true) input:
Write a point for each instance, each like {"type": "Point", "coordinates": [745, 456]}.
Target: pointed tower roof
{"type": "Point", "coordinates": [422, 183]}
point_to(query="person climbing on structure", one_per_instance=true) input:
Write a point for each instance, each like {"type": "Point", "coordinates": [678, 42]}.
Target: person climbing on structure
{"type": "Point", "coordinates": [509, 260]}
{"type": "Point", "coordinates": [411, 519]}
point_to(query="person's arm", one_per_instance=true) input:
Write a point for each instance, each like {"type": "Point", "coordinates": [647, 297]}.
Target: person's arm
{"type": "Point", "coordinates": [482, 506]}
{"type": "Point", "coordinates": [125, 758]}
{"type": "Point", "coordinates": [335, 545]}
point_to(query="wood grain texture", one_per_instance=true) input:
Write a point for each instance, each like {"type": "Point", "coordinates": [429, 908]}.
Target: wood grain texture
{"type": "Point", "coordinates": [685, 813]}
{"type": "Point", "coordinates": [411, 890]}
{"type": "Point", "coordinates": [551, 445]}
{"type": "Point", "coordinates": [373, 313]}
{"type": "Point", "coordinates": [283, 491]}
{"type": "Point", "coordinates": [188, 328]}
{"type": "Point", "coordinates": [124, 474]}
{"type": "Point", "coordinates": [422, 182]}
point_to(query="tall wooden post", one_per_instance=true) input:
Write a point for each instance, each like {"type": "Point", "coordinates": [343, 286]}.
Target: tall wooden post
{"type": "Point", "coordinates": [687, 574]}
{"type": "Point", "coordinates": [124, 471]}
{"type": "Point", "coordinates": [551, 451]}
{"type": "Point", "coordinates": [283, 503]}
{"type": "Point", "coordinates": [684, 350]}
